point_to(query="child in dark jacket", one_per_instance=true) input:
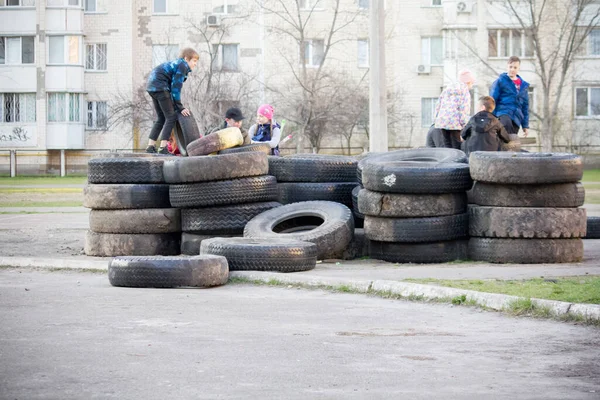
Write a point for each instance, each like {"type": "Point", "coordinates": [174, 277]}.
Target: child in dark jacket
{"type": "Point", "coordinates": [484, 132]}
{"type": "Point", "coordinates": [164, 86]}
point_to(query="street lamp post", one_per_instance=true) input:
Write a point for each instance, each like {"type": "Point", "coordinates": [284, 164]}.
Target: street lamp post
{"type": "Point", "coordinates": [378, 137]}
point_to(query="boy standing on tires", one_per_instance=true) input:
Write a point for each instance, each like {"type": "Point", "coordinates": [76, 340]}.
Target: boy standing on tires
{"type": "Point", "coordinates": [484, 132]}
{"type": "Point", "coordinates": [164, 86]}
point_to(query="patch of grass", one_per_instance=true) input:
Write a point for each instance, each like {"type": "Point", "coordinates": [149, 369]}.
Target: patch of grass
{"type": "Point", "coordinates": [591, 175]}
{"type": "Point", "coordinates": [40, 190]}
{"type": "Point", "coordinates": [40, 212]}
{"type": "Point", "coordinates": [578, 289]}
{"type": "Point", "coordinates": [42, 204]}
{"type": "Point", "coordinates": [44, 180]}
{"type": "Point", "coordinates": [592, 196]}
{"type": "Point", "coordinates": [525, 307]}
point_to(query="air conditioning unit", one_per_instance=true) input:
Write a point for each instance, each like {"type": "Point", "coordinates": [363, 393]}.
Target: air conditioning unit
{"type": "Point", "coordinates": [213, 20]}
{"type": "Point", "coordinates": [464, 7]}
{"type": "Point", "coordinates": [424, 69]}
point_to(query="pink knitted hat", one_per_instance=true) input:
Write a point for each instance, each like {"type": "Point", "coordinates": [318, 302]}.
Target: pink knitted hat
{"type": "Point", "coordinates": [466, 76]}
{"type": "Point", "coordinates": [266, 111]}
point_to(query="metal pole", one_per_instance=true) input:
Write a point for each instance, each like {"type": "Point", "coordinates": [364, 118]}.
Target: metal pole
{"type": "Point", "coordinates": [62, 163]}
{"type": "Point", "coordinates": [378, 140]}
{"type": "Point", "coordinates": [13, 163]}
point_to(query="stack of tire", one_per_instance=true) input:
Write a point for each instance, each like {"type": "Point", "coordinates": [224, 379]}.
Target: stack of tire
{"type": "Point", "coordinates": [526, 208]}
{"type": "Point", "coordinates": [415, 205]}
{"type": "Point", "coordinates": [131, 214]}
{"type": "Point", "coordinates": [219, 194]}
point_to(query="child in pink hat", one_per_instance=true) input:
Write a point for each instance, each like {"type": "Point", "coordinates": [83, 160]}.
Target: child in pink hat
{"type": "Point", "coordinates": [266, 129]}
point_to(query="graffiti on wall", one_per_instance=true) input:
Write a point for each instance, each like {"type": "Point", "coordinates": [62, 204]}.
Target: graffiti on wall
{"type": "Point", "coordinates": [17, 136]}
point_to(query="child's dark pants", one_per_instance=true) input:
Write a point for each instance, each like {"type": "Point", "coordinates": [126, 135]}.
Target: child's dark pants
{"type": "Point", "coordinates": [451, 138]}
{"type": "Point", "coordinates": [165, 113]}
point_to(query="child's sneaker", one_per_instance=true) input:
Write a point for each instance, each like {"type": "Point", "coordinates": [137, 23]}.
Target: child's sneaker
{"type": "Point", "coordinates": [163, 150]}
{"type": "Point", "coordinates": [150, 149]}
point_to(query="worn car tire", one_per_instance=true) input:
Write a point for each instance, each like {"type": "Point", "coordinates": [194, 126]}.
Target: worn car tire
{"type": "Point", "coordinates": [232, 191]}
{"type": "Point", "coordinates": [327, 224]}
{"type": "Point", "coordinates": [525, 251]}
{"type": "Point", "coordinates": [419, 253]}
{"type": "Point", "coordinates": [186, 131]}
{"type": "Point", "coordinates": [214, 168]}
{"type": "Point", "coordinates": [527, 222]}
{"type": "Point", "coordinates": [273, 254]}
{"type": "Point", "coordinates": [212, 143]}
{"type": "Point", "coordinates": [414, 230]}
{"type": "Point", "coordinates": [380, 204]}
{"type": "Point", "coordinates": [547, 195]}
{"type": "Point", "coordinates": [126, 170]}
{"type": "Point", "coordinates": [293, 192]}
{"type": "Point", "coordinates": [127, 244]}
{"type": "Point", "coordinates": [313, 168]}
{"type": "Point", "coordinates": [222, 220]}
{"type": "Point", "coordinates": [122, 196]}
{"type": "Point", "coordinates": [592, 228]}
{"type": "Point", "coordinates": [190, 242]}
{"type": "Point", "coordinates": [146, 220]}
{"type": "Point", "coordinates": [260, 147]}
{"type": "Point", "coordinates": [168, 272]}
{"type": "Point", "coordinates": [525, 168]}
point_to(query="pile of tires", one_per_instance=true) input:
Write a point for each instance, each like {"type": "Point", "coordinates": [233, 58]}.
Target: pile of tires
{"type": "Point", "coordinates": [130, 210]}
{"type": "Point", "coordinates": [218, 195]}
{"type": "Point", "coordinates": [526, 208]}
{"type": "Point", "coordinates": [415, 205]}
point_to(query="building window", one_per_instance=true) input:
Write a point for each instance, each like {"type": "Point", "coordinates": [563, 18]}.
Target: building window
{"type": "Point", "coordinates": [587, 102]}
{"type": "Point", "coordinates": [62, 3]}
{"type": "Point", "coordinates": [64, 50]}
{"type": "Point", "coordinates": [314, 50]}
{"type": "Point", "coordinates": [309, 4]}
{"type": "Point", "coordinates": [224, 6]}
{"type": "Point", "coordinates": [63, 107]}
{"type": "Point", "coordinates": [509, 42]}
{"type": "Point", "coordinates": [364, 4]}
{"type": "Point", "coordinates": [17, 50]}
{"type": "Point", "coordinates": [432, 50]}
{"type": "Point", "coordinates": [90, 6]}
{"type": "Point", "coordinates": [160, 6]}
{"type": "Point", "coordinates": [436, 3]}
{"type": "Point", "coordinates": [594, 43]}
{"type": "Point", "coordinates": [162, 53]}
{"type": "Point", "coordinates": [428, 111]}
{"type": "Point", "coordinates": [225, 57]}
{"type": "Point", "coordinates": [363, 53]}
{"type": "Point", "coordinates": [97, 115]}
{"type": "Point", "coordinates": [95, 57]}
{"type": "Point", "coordinates": [17, 3]}
{"type": "Point", "coordinates": [17, 107]}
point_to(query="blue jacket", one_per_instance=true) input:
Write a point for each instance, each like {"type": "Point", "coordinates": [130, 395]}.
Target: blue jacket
{"type": "Point", "coordinates": [169, 77]}
{"type": "Point", "coordinates": [509, 101]}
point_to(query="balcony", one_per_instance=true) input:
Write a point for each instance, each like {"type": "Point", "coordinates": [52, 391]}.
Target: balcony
{"type": "Point", "coordinates": [64, 78]}
{"type": "Point", "coordinates": [18, 20]}
{"type": "Point", "coordinates": [64, 19]}
{"type": "Point", "coordinates": [18, 78]}
{"type": "Point", "coordinates": [18, 134]}
{"type": "Point", "coordinates": [63, 135]}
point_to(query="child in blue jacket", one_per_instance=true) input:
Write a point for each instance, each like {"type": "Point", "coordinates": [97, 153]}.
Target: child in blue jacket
{"type": "Point", "coordinates": [512, 99]}
{"type": "Point", "coordinates": [164, 86]}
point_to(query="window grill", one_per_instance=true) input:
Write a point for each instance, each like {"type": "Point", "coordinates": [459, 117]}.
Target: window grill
{"type": "Point", "coordinates": [17, 107]}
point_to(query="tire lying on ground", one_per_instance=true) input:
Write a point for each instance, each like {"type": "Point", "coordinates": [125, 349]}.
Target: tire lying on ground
{"type": "Point", "coordinates": [127, 244]}
{"type": "Point", "coordinates": [222, 220]}
{"type": "Point", "coordinates": [149, 220]}
{"type": "Point", "coordinates": [411, 205]}
{"type": "Point", "coordinates": [190, 242]}
{"type": "Point", "coordinates": [525, 251]}
{"type": "Point", "coordinates": [531, 222]}
{"type": "Point", "coordinates": [327, 224]}
{"type": "Point", "coordinates": [593, 228]}
{"type": "Point", "coordinates": [126, 170]}
{"type": "Point", "coordinates": [549, 195]}
{"type": "Point", "coordinates": [219, 140]}
{"type": "Point", "coordinates": [525, 168]}
{"type": "Point", "coordinates": [419, 253]}
{"type": "Point", "coordinates": [168, 272]}
{"type": "Point", "coordinates": [123, 196]}
{"type": "Point", "coordinates": [186, 131]}
{"type": "Point", "coordinates": [260, 147]}
{"type": "Point", "coordinates": [293, 192]}
{"type": "Point", "coordinates": [313, 168]}
{"type": "Point", "coordinates": [409, 230]}
{"type": "Point", "coordinates": [273, 254]}
{"type": "Point", "coordinates": [214, 168]}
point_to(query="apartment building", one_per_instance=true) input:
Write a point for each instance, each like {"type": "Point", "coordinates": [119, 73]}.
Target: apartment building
{"type": "Point", "coordinates": [67, 65]}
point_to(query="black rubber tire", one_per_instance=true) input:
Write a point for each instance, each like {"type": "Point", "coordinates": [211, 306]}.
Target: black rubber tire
{"type": "Point", "coordinates": [248, 254]}
{"type": "Point", "coordinates": [327, 224]}
{"type": "Point", "coordinates": [293, 192]}
{"type": "Point", "coordinates": [123, 244]}
{"type": "Point", "coordinates": [527, 222]}
{"type": "Point", "coordinates": [186, 131]}
{"type": "Point", "coordinates": [525, 168]}
{"type": "Point", "coordinates": [147, 220]}
{"type": "Point", "coordinates": [415, 177]}
{"type": "Point", "coordinates": [233, 191]}
{"type": "Point", "coordinates": [122, 196]}
{"type": "Point", "coordinates": [212, 143]}
{"type": "Point", "coordinates": [313, 168]}
{"type": "Point", "coordinates": [260, 147]}
{"type": "Point", "coordinates": [420, 253]}
{"type": "Point", "coordinates": [415, 230]}
{"type": "Point", "coordinates": [168, 272]}
{"type": "Point", "coordinates": [127, 155]}
{"type": "Point", "coordinates": [513, 145]}
{"type": "Point", "coordinates": [548, 195]}
{"type": "Point", "coordinates": [379, 204]}
{"type": "Point", "coordinates": [126, 170]}
{"type": "Point", "coordinates": [190, 242]}
{"type": "Point", "coordinates": [526, 251]}
{"type": "Point", "coordinates": [222, 220]}
{"type": "Point", "coordinates": [214, 168]}
{"type": "Point", "coordinates": [592, 228]}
